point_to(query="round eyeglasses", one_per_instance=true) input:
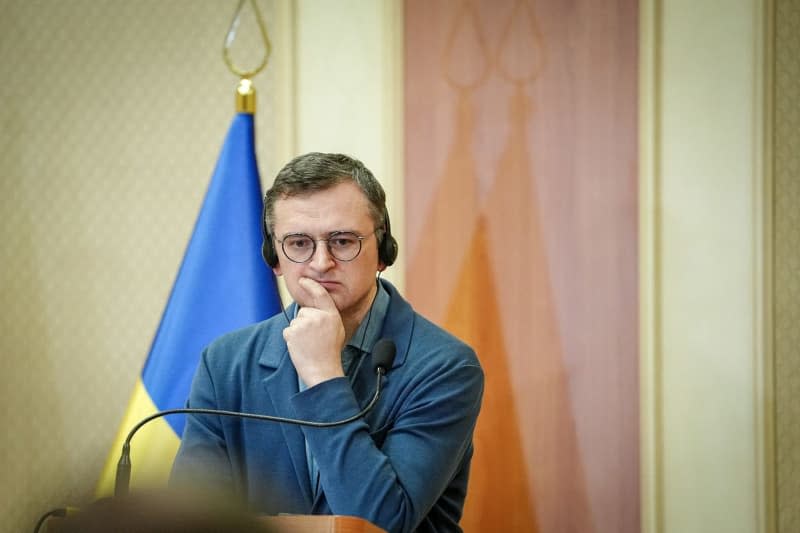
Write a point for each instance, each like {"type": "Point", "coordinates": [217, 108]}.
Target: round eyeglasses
{"type": "Point", "coordinates": [342, 245]}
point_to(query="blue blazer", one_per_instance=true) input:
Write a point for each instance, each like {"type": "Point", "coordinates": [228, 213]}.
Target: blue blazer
{"type": "Point", "coordinates": [403, 467]}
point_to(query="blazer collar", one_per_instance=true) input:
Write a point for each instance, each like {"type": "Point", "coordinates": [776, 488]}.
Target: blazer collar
{"type": "Point", "coordinates": [274, 352]}
{"type": "Point", "coordinates": [399, 323]}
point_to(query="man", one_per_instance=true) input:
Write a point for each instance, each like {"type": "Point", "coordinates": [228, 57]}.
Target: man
{"type": "Point", "coordinates": [405, 465]}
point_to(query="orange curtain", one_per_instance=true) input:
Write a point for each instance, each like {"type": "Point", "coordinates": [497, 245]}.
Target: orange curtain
{"type": "Point", "coordinates": [521, 209]}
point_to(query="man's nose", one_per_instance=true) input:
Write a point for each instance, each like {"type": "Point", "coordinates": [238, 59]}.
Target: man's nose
{"type": "Point", "coordinates": [322, 258]}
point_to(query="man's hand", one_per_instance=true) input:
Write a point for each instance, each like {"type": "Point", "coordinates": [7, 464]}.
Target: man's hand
{"type": "Point", "coordinates": [316, 335]}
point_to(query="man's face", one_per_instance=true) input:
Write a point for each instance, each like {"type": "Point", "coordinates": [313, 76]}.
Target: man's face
{"type": "Point", "coordinates": [342, 207]}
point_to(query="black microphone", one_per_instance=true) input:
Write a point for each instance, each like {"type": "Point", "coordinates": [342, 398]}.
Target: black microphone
{"type": "Point", "coordinates": [383, 354]}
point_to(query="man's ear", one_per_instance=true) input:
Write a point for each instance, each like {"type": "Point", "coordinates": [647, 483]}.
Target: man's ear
{"type": "Point", "coordinates": [277, 269]}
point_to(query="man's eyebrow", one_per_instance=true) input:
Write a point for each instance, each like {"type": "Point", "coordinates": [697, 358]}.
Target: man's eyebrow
{"type": "Point", "coordinates": [325, 235]}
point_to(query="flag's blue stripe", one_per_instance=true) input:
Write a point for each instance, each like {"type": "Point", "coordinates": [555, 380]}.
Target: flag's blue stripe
{"type": "Point", "coordinates": [223, 283]}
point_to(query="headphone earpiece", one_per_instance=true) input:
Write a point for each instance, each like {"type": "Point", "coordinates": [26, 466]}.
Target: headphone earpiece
{"type": "Point", "coordinates": [387, 249]}
{"type": "Point", "coordinates": [268, 251]}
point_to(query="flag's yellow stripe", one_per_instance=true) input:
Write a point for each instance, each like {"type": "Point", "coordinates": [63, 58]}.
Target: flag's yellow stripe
{"type": "Point", "coordinates": [153, 448]}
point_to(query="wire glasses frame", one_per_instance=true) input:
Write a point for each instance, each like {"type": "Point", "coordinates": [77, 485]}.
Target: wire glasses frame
{"type": "Point", "coordinates": [344, 246]}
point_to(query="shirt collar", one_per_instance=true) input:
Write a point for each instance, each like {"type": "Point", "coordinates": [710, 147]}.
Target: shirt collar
{"type": "Point", "coordinates": [370, 328]}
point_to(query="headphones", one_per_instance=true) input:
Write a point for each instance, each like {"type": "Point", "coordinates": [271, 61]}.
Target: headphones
{"type": "Point", "coordinates": [387, 247]}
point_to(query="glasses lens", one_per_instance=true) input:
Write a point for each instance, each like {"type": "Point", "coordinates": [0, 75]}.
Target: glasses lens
{"type": "Point", "coordinates": [344, 245]}
{"type": "Point", "coordinates": [299, 248]}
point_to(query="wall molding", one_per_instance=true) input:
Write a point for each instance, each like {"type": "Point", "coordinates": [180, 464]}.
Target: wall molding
{"type": "Point", "coordinates": [763, 231]}
{"type": "Point", "coordinates": [651, 454]}
{"type": "Point", "coordinates": [706, 369]}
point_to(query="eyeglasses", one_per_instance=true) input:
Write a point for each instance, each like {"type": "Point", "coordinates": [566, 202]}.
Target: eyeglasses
{"type": "Point", "coordinates": [342, 245]}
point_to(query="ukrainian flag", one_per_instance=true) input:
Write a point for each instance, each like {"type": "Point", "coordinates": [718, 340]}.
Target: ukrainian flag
{"type": "Point", "coordinates": [223, 284]}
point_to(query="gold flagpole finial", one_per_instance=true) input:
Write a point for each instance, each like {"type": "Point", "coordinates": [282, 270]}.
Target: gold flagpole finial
{"type": "Point", "coordinates": [245, 97]}
{"type": "Point", "coordinates": [246, 92]}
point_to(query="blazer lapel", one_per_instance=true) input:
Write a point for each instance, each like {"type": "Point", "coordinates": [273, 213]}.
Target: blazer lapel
{"type": "Point", "coordinates": [280, 385]}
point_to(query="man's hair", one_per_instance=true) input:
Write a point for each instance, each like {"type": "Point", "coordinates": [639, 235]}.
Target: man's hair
{"type": "Point", "coordinates": [318, 171]}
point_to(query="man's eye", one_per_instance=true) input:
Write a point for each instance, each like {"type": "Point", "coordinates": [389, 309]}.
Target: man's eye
{"type": "Point", "coordinates": [343, 241]}
{"type": "Point", "coordinates": [298, 243]}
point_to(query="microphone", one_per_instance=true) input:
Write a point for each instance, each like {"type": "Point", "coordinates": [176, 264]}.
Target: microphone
{"type": "Point", "coordinates": [383, 354]}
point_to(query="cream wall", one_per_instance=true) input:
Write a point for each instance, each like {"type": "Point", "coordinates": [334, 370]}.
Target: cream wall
{"type": "Point", "coordinates": [705, 395]}
{"type": "Point", "coordinates": [348, 78]}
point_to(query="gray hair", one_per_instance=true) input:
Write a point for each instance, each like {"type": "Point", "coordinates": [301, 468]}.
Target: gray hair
{"type": "Point", "coordinates": [318, 171]}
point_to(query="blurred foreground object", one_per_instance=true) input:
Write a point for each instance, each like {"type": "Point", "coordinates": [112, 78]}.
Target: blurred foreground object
{"type": "Point", "coordinates": [162, 511]}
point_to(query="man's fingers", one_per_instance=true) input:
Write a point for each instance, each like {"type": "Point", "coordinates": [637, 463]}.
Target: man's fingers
{"type": "Point", "coordinates": [318, 297]}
